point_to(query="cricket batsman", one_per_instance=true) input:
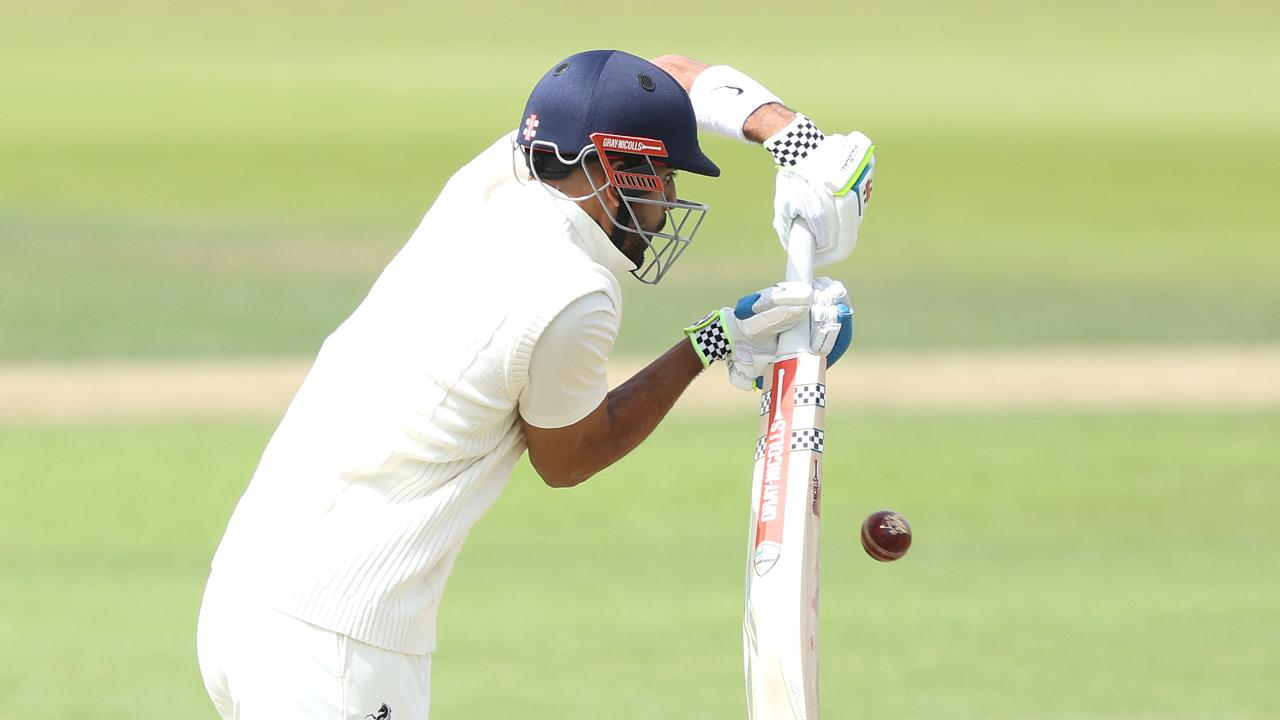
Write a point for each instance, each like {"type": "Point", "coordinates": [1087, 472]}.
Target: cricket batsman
{"type": "Point", "coordinates": [486, 336]}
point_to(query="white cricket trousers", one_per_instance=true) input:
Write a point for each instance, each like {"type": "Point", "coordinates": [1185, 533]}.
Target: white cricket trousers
{"type": "Point", "coordinates": [260, 664]}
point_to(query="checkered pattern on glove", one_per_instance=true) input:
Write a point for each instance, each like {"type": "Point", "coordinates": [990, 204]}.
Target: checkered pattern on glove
{"type": "Point", "coordinates": [709, 338]}
{"type": "Point", "coordinates": [745, 337]}
{"type": "Point", "coordinates": [794, 142]}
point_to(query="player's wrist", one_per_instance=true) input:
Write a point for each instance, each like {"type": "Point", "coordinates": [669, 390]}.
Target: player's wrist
{"type": "Point", "coordinates": [766, 121]}
{"type": "Point", "coordinates": [724, 98]}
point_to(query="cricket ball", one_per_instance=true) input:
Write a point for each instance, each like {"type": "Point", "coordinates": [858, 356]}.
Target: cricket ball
{"type": "Point", "coordinates": [886, 535]}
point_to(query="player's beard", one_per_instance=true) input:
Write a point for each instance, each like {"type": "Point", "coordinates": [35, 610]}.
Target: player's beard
{"type": "Point", "coordinates": [629, 242]}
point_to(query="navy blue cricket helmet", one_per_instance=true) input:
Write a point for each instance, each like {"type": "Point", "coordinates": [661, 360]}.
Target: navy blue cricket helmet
{"type": "Point", "coordinates": [614, 106]}
{"type": "Point", "coordinates": [615, 93]}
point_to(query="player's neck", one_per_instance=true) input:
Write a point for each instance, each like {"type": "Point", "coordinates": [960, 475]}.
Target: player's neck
{"type": "Point", "coordinates": [594, 203]}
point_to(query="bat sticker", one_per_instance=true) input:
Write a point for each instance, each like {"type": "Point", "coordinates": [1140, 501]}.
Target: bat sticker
{"type": "Point", "coordinates": [778, 442]}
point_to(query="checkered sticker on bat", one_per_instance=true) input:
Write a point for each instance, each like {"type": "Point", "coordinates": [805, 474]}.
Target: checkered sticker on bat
{"type": "Point", "coordinates": [807, 439]}
{"type": "Point", "coordinates": [811, 394]}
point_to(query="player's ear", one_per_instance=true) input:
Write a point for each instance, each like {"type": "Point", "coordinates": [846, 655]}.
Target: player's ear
{"type": "Point", "coordinates": [597, 177]}
{"type": "Point", "coordinates": [610, 197]}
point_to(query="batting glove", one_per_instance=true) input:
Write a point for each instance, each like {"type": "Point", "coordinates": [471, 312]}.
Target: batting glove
{"type": "Point", "coordinates": [828, 188]}
{"type": "Point", "coordinates": [831, 319]}
{"type": "Point", "coordinates": [746, 336]}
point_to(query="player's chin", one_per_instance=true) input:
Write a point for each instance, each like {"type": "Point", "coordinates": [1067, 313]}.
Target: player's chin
{"type": "Point", "coordinates": [632, 245]}
{"type": "Point", "coordinates": [635, 249]}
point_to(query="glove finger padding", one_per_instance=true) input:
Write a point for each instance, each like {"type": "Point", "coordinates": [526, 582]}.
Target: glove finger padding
{"type": "Point", "coordinates": [749, 355]}
{"type": "Point", "coordinates": [748, 364]}
{"type": "Point", "coordinates": [798, 197]}
{"type": "Point", "coordinates": [832, 331]}
{"type": "Point", "coordinates": [773, 309]}
{"type": "Point", "coordinates": [827, 291]}
{"type": "Point", "coordinates": [832, 319]}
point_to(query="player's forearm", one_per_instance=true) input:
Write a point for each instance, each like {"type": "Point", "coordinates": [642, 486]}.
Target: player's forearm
{"type": "Point", "coordinates": [684, 69]}
{"type": "Point", "coordinates": [639, 404]}
{"type": "Point", "coordinates": [764, 122]}
{"type": "Point", "coordinates": [635, 408]}
{"type": "Point", "coordinates": [767, 121]}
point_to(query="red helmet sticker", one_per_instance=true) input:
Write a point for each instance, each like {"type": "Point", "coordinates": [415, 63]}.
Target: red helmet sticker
{"type": "Point", "coordinates": [531, 126]}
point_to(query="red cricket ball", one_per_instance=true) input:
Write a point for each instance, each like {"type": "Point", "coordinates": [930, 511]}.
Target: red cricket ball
{"type": "Point", "coordinates": [886, 535]}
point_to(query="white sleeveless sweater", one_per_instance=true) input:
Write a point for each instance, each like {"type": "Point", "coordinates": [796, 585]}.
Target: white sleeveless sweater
{"type": "Point", "coordinates": [405, 430]}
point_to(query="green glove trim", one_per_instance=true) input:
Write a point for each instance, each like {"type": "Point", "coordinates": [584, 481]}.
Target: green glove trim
{"type": "Point", "coordinates": [857, 174]}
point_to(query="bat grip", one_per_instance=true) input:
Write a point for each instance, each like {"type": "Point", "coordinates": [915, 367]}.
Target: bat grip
{"type": "Point", "coordinates": [800, 247]}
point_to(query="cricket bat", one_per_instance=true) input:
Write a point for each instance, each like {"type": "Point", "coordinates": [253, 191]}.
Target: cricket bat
{"type": "Point", "coordinates": [780, 629]}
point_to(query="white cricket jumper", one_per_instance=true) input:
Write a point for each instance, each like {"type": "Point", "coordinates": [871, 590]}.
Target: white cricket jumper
{"type": "Point", "coordinates": [406, 429]}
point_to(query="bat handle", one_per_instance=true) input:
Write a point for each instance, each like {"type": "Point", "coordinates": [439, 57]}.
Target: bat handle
{"type": "Point", "coordinates": [800, 248]}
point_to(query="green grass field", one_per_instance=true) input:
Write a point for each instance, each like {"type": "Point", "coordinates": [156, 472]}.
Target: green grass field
{"type": "Point", "coordinates": [1065, 566]}
{"type": "Point", "coordinates": [183, 180]}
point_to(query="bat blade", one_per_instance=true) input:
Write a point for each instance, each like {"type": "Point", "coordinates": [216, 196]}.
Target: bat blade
{"type": "Point", "coordinates": [780, 627]}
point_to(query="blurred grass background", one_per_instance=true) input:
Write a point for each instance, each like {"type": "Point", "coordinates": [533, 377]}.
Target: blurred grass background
{"type": "Point", "coordinates": [193, 180]}
{"type": "Point", "coordinates": [182, 179]}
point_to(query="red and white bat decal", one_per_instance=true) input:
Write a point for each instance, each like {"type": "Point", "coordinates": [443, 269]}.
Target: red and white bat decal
{"type": "Point", "coordinates": [771, 514]}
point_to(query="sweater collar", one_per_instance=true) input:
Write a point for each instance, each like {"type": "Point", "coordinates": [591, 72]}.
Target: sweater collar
{"type": "Point", "coordinates": [588, 235]}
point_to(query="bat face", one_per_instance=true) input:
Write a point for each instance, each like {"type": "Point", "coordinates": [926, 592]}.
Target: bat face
{"type": "Point", "coordinates": [780, 640]}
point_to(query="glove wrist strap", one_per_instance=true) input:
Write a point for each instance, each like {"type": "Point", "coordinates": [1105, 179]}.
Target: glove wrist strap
{"type": "Point", "coordinates": [709, 339]}
{"type": "Point", "coordinates": [794, 142]}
